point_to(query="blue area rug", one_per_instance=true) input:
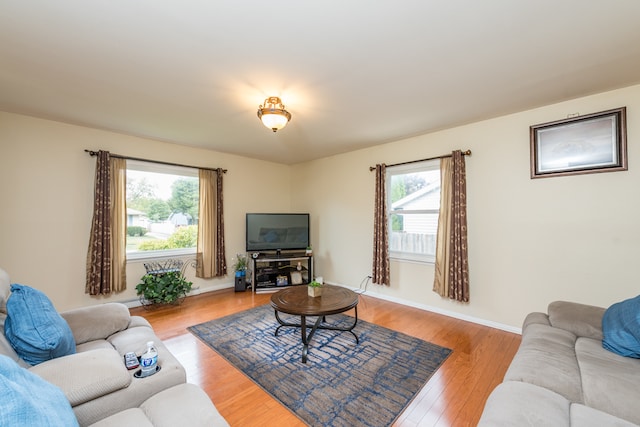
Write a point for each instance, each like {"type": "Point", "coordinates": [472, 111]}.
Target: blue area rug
{"type": "Point", "coordinates": [342, 383]}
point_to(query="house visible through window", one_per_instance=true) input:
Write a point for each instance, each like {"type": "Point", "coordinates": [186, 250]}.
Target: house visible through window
{"type": "Point", "coordinates": [162, 210]}
{"type": "Point", "coordinates": [413, 201]}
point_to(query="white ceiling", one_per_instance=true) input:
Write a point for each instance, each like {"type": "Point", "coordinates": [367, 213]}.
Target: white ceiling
{"type": "Point", "coordinates": [352, 73]}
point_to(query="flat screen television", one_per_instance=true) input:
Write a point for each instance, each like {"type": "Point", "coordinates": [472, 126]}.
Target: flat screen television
{"type": "Point", "coordinates": [277, 231]}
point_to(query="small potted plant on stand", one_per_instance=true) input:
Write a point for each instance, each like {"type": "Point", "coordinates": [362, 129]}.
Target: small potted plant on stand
{"type": "Point", "coordinates": [240, 265]}
{"type": "Point", "coordinates": [314, 288]}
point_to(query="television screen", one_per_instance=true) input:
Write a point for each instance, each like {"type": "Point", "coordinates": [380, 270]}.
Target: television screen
{"type": "Point", "coordinates": [277, 231]}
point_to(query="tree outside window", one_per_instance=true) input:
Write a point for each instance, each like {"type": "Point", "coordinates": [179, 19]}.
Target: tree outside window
{"type": "Point", "coordinates": [162, 209]}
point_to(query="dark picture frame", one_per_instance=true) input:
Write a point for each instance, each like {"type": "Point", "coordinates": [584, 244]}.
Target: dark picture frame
{"type": "Point", "coordinates": [579, 145]}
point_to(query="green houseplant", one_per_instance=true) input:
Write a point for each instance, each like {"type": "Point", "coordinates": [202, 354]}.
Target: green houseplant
{"type": "Point", "coordinates": [240, 265]}
{"type": "Point", "coordinates": [314, 289]}
{"type": "Point", "coordinates": [163, 288]}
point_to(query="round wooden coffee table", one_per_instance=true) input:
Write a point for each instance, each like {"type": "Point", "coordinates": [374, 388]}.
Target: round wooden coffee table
{"type": "Point", "coordinates": [296, 301]}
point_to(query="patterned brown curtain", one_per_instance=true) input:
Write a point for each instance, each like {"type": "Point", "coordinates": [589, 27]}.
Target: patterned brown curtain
{"type": "Point", "coordinates": [452, 263]}
{"type": "Point", "coordinates": [381, 274]}
{"type": "Point", "coordinates": [106, 259]}
{"type": "Point", "coordinates": [211, 250]}
{"type": "Point", "coordinates": [221, 258]}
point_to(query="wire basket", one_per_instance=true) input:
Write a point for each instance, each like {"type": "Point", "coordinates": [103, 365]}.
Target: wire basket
{"type": "Point", "coordinates": [165, 266]}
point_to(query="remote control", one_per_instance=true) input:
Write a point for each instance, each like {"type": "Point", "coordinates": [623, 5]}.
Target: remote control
{"type": "Point", "coordinates": [131, 361]}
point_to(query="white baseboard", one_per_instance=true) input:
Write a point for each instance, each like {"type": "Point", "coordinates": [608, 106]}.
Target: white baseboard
{"type": "Point", "coordinates": [196, 290]}
{"type": "Point", "coordinates": [438, 310]}
{"type": "Point", "coordinates": [200, 290]}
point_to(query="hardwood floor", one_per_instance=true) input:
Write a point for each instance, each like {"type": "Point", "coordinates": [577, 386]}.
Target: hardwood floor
{"type": "Point", "coordinates": [454, 396]}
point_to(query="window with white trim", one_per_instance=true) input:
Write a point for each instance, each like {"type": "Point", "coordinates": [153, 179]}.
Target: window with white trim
{"type": "Point", "coordinates": [162, 210]}
{"type": "Point", "coordinates": [413, 203]}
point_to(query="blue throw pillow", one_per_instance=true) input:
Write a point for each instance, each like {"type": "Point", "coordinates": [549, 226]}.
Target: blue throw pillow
{"type": "Point", "coordinates": [28, 400]}
{"type": "Point", "coordinates": [621, 328]}
{"type": "Point", "coordinates": [34, 328]}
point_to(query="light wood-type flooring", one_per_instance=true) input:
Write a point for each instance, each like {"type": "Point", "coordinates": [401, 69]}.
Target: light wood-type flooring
{"type": "Point", "coordinates": [454, 396]}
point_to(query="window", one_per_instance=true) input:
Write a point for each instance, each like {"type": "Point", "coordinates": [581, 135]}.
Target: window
{"type": "Point", "coordinates": [162, 210]}
{"type": "Point", "coordinates": [413, 203]}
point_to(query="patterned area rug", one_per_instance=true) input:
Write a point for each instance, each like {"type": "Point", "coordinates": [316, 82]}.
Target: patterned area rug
{"type": "Point", "coordinates": [342, 383]}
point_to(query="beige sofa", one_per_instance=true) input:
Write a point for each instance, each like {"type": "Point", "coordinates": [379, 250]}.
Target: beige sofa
{"type": "Point", "coordinates": [180, 405]}
{"type": "Point", "coordinates": [562, 376]}
{"type": "Point", "coordinates": [96, 382]}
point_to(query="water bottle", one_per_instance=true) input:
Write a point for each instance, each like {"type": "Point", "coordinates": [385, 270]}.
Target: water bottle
{"type": "Point", "coordinates": [149, 360]}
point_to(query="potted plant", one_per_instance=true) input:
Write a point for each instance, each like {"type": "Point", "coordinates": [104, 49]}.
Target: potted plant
{"type": "Point", "coordinates": [163, 288]}
{"type": "Point", "coordinates": [240, 265]}
{"type": "Point", "coordinates": [314, 289]}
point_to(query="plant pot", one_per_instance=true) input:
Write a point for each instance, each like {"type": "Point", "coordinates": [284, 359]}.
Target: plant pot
{"type": "Point", "coordinates": [314, 291]}
{"type": "Point", "coordinates": [158, 303]}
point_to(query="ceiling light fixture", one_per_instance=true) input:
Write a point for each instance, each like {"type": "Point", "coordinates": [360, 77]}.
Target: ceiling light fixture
{"type": "Point", "coordinates": [273, 114]}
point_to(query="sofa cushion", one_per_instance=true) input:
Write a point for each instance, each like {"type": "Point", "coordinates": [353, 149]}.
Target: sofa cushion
{"type": "Point", "coordinates": [184, 396]}
{"type": "Point", "coordinates": [97, 322]}
{"type": "Point", "coordinates": [195, 409]}
{"type": "Point", "coordinates": [580, 319]}
{"type": "Point", "coordinates": [621, 328]}
{"type": "Point", "coordinates": [609, 381]}
{"type": "Point", "coordinates": [585, 416]}
{"type": "Point", "coordinates": [86, 376]}
{"type": "Point", "coordinates": [535, 319]}
{"type": "Point", "coordinates": [547, 358]}
{"type": "Point", "coordinates": [93, 345]}
{"type": "Point", "coordinates": [514, 403]}
{"type": "Point", "coordinates": [34, 328]}
{"type": "Point", "coordinates": [28, 400]}
{"type": "Point", "coordinates": [134, 339]}
{"type": "Point", "coordinates": [129, 417]}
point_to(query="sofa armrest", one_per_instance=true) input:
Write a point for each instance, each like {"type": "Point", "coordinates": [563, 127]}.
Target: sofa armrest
{"type": "Point", "coordinates": [97, 322]}
{"type": "Point", "coordinates": [86, 376]}
{"type": "Point", "coordinates": [137, 321]}
{"type": "Point", "coordinates": [580, 319]}
{"type": "Point", "coordinates": [535, 318]}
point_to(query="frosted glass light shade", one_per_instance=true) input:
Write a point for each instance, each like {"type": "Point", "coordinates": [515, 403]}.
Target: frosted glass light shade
{"type": "Point", "coordinates": [273, 114]}
{"type": "Point", "coordinates": [274, 121]}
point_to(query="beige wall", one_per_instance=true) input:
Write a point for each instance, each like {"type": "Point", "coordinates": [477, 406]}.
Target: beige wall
{"type": "Point", "coordinates": [46, 193]}
{"type": "Point", "coordinates": [530, 241]}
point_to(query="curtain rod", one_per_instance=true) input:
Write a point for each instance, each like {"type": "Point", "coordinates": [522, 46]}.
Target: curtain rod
{"type": "Point", "coordinates": [117, 156]}
{"type": "Point", "coordinates": [464, 153]}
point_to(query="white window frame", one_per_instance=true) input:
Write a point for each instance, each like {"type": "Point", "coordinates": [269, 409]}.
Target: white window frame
{"type": "Point", "coordinates": [427, 165]}
{"type": "Point", "coordinates": [165, 169]}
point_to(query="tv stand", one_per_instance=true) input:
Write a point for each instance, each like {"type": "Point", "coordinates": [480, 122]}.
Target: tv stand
{"type": "Point", "coordinates": [271, 272]}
